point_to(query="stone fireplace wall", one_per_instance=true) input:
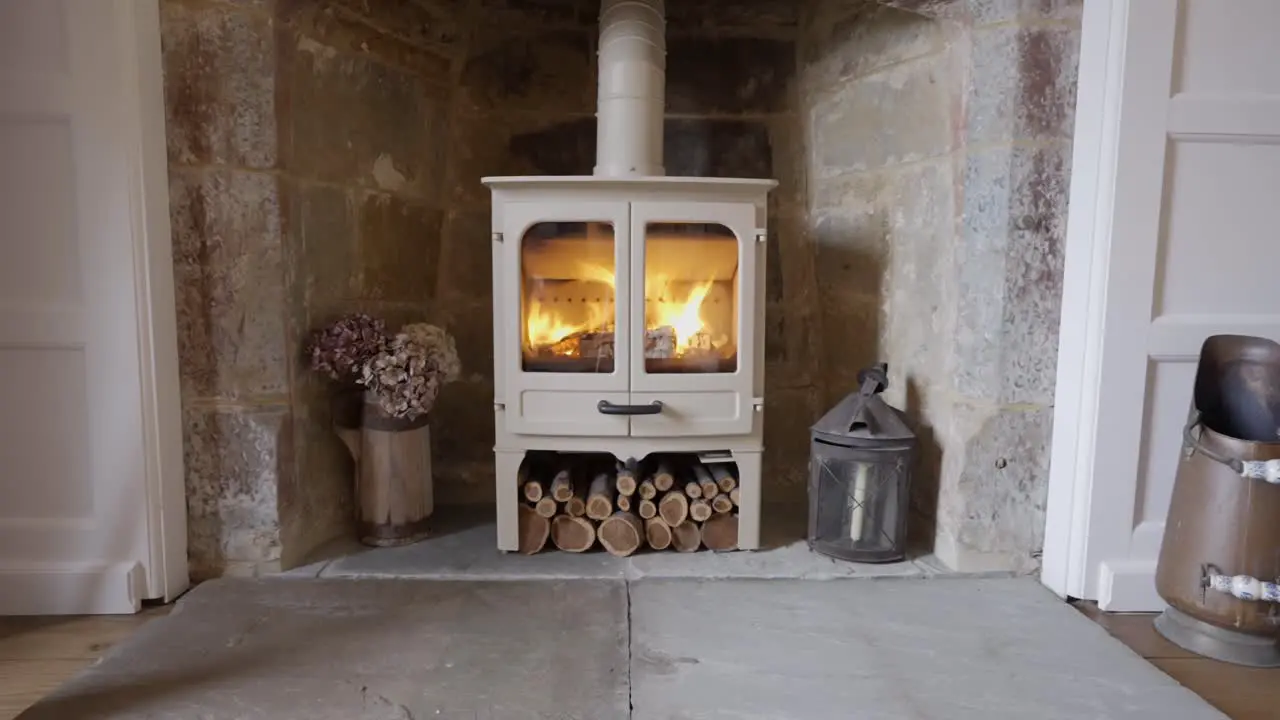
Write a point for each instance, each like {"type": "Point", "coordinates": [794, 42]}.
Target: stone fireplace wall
{"type": "Point", "coordinates": [938, 146]}
{"type": "Point", "coordinates": [326, 156]}
{"type": "Point", "coordinates": [307, 146]}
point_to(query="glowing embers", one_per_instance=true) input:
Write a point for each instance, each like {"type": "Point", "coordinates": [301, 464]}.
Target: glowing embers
{"type": "Point", "coordinates": [691, 285]}
{"type": "Point", "coordinates": [568, 288]}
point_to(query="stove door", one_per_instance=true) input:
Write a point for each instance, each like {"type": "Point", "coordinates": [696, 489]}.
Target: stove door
{"type": "Point", "coordinates": [562, 341]}
{"type": "Point", "coordinates": [693, 350]}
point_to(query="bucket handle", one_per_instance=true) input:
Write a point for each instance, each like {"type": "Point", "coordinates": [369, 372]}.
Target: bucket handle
{"type": "Point", "coordinates": [1267, 470]}
{"type": "Point", "coordinates": [1243, 587]}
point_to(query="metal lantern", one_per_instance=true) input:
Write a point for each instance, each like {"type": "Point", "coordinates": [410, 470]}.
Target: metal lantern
{"type": "Point", "coordinates": [860, 458]}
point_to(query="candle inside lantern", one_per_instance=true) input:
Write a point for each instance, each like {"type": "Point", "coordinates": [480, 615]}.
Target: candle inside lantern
{"type": "Point", "coordinates": [857, 517]}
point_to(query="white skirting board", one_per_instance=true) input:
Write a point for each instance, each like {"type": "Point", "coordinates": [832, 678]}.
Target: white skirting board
{"type": "Point", "coordinates": [1128, 586]}
{"type": "Point", "coordinates": [71, 589]}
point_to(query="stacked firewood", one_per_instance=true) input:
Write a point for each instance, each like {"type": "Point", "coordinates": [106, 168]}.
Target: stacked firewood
{"type": "Point", "coordinates": [663, 505]}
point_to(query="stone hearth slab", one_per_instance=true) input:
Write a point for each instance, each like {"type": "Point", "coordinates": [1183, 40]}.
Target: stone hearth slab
{"type": "Point", "coordinates": [934, 649]}
{"type": "Point", "coordinates": [345, 650]}
{"type": "Point", "coordinates": [471, 554]}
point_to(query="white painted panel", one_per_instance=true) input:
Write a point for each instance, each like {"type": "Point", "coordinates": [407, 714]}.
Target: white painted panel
{"type": "Point", "coordinates": [1168, 395]}
{"type": "Point", "coordinates": [1219, 246]}
{"type": "Point", "coordinates": [560, 412]}
{"type": "Point", "coordinates": [692, 413]}
{"type": "Point", "coordinates": [37, 213]}
{"type": "Point", "coordinates": [42, 40]}
{"type": "Point", "coordinates": [1228, 46]}
{"type": "Point", "coordinates": [45, 452]}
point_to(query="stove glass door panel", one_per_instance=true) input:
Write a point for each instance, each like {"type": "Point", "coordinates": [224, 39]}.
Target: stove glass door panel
{"type": "Point", "coordinates": [564, 283]}
{"type": "Point", "coordinates": [692, 343]}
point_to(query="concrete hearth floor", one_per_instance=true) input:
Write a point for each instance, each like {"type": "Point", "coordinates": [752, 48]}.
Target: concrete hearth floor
{"type": "Point", "coordinates": [462, 546]}
{"type": "Point", "coordinates": [606, 649]}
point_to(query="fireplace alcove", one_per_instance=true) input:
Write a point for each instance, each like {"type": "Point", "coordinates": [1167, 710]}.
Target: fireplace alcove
{"type": "Point", "coordinates": [327, 157]}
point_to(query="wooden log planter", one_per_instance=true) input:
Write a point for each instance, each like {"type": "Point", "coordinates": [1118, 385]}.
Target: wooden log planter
{"type": "Point", "coordinates": [575, 504]}
{"type": "Point", "coordinates": [393, 483]}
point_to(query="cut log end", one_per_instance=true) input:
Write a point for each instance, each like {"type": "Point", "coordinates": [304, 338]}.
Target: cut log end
{"type": "Point", "coordinates": [600, 497]}
{"type": "Point", "coordinates": [647, 509]}
{"type": "Point", "coordinates": [572, 534]}
{"type": "Point", "coordinates": [621, 534]}
{"type": "Point", "coordinates": [647, 490]}
{"type": "Point", "coordinates": [533, 490]}
{"type": "Point", "coordinates": [720, 533]}
{"type": "Point", "coordinates": [674, 508]}
{"type": "Point", "coordinates": [663, 479]}
{"type": "Point", "coordinates": [699, 510]}
{"type": "Point", "coordinates": [724, 479]}
{"type": "Point", "coordinates": [686, 537]}
{"type": "Point", "coordinates": [562, 486]}
{"type": "Point", "coordinates": [707, 487]}
{"type": "Point", "coordinates": [657, 533]}
{"type": "Point", "coordinates": [534, 530]}
{"type": "Point", "coordinates": [627, 482]}
{"type": "Point", "coordinates": [547, 507]}
{"type": "Point", "coordinates": [721, 504]}
{"type": "Point", "coordinates": [623, 502]}
{"type": "Point", "coordinates": [735, 496]}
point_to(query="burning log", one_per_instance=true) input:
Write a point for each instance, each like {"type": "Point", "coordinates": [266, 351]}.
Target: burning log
{"type": "Point", "coordinates": [663, 479]}
{"type": "Point", "coordinates": [534, 530]}
{"type": "Point", "coordinates": [657, 533]}
{"type": "Point", "coordinates": [699, 510]}
{"type": "Point", "coordinates": [686, 537]}
{"type": "Point", "coordinates": [721, 533]}
{"type": "Point", "coordinates": [562, 486]}
{"type": "Point", "coordinates": [572, 534]}
{"type": "Point", "coordinates": [721, 504]}
{"type": "Point", "coordinates": [674, 508]}
{"type": "Point", "coordinates": [660, 343]}
{"type": "Point", "coordinates": [546, 507]}
{"type": "Point", "coordinates": [707, 486]}
{"type": "Point", "coordinates": [647, 509]}
{"type": "Point", "coordinates": [600, 497]}
{"type": "Point", "coordinates": [724, 479]}
{"type": "Point", "coordinates": [621, 534]}
{"type": "Point", "coordinates": [626, 479]}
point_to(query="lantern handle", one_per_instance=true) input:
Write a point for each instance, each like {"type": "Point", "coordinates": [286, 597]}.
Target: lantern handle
{"type": "Point", "coordinates": [873, 380]}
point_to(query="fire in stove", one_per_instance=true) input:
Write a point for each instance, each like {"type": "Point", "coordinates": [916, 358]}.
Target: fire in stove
{"type": "Point", "coordinates": [570, 287]}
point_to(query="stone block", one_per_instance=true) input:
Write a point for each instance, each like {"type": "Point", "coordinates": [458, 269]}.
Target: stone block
{"type": "Point", "coordinates": [851, 332]}
{"type": "Point", "coordinates": [849, 228]}
{"type": "Point", "coordinates": [540, 70]}
{"type": "Point", "coordinates": [219, 85]}
{"type": "Point", "coordinates": [776, 16]}
{"type": "Point", "coordinates": [438, 25]}
{"type": "Point", "coordinates": [354, 121]}
{"type": "Point", "coordinates": [462, 428]}
{"type": "Point", "coordinates": [524, 13]}
{"type": "Point", "coordinates": [1010, 261]}
{"type": "Point", "coordinates": [321, 252]}
{"type": "Point", "coordinates": [992, 499]}
{"type": "Point", "coordinates": [316, 499]}
{"type": "Point", "coordinates": [788, 165]}
{"type": "Point", "coordinates": [718, 148]}
{"type": "Point", "coordinates": [327, 31]}
{"type": "Point", "coordinates": [788, 413]}
{"type": "Point", "coordinates": [234, 460]}
{"type": "Point", "coordinates": [900, 114]}
{"type": "Point", "coordinates": [471, 325]}
{"type": "Point", "coordinates": [850, 40]}
{"type": "Point", "coordinates": [465, 482]}
{"type": "Point", "coordinates": [729, 75]}
{"type": "Point", "coordinates": [399, 244]}
{"type": "Point", "coordinates": [517, 144]}
{"type": "Point", "coordinates": [230, 283]}
{"type": "Point", "coordinates": [775, 333]}
{"type": "Point", "coordinates": [985, 12]}
{"type": "Point", "coordinates": [1022, 83]}
{"type": "Point", "coordinates": [466, 258]}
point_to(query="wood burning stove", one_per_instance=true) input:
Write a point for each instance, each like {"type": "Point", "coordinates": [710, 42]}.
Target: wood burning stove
{"type": "Point", "coordinates": [628, 306]}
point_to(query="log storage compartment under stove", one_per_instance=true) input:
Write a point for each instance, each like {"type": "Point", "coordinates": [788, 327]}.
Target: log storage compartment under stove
{"type": "Point", "coordinates": [628, 321]}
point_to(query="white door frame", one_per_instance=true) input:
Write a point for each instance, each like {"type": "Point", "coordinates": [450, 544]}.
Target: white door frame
{"type": "Point", "coordinates": [1095, 218]}
{"type": "Point", "coordinates": [133, 122]}
{"type": "Point", "coordinates": [139, 30]}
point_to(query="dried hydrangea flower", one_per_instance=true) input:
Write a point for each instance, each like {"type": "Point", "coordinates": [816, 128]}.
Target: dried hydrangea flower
{"type": "Point", "coordinates": [442, 353]}
{"type": "Point", "coordinates": [341, 349]}
{"type": "Point", "coordinates": [402, 378]}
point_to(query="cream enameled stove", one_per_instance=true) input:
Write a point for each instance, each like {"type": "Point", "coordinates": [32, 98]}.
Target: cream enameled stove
{"type": "Point", "coordinates": [628, 306]}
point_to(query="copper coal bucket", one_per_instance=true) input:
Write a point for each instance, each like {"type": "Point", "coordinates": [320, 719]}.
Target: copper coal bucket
{"type": "Point", "coordinates": [1220, 559]}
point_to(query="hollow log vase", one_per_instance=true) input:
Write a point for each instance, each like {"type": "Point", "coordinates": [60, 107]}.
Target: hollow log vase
{"type": "Point", "coordinates": [393, 484]}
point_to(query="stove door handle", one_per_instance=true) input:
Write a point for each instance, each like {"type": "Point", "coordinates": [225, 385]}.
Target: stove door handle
{"type": "Point", "coordinates": [607, 408]}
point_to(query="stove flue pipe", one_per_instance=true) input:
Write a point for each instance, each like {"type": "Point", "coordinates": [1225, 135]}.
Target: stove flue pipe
{"type": "Point", "coordinates": [632, 88]}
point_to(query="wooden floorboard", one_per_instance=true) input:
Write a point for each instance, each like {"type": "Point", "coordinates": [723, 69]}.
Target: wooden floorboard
{"type": "Point", "coordinates": [1241, 693]}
